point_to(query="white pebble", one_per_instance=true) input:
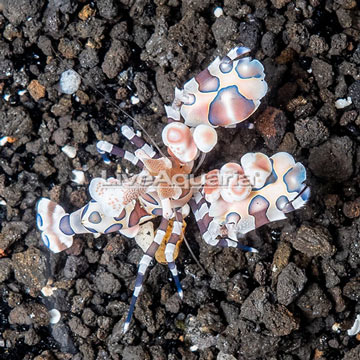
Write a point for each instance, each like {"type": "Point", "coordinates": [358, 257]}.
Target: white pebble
{"type": "Point", "coordinates": [48, 290]}
{"type": "Point", "coordinates": [355, 328]}
{"type": "Point", "coordinates": [54, 316]}
{"type": "Point", "coordinates": [336, 327]}
{"type": "Point", "coordinates": [69, 82]}
{"type": "Point", "coordinates": [70, 151]}
{"type": "Point", "coordinates": [6, 97]}
{"type": "Point", "coordinates": [2, 202]}
{"type": "Point", "coordinates": [134, 100]}
{"type": "Point", "coordinates": [22, 92]}
{"type": "Point", "coordinates": [341, 103]}
{"type": "Point", "coordinates": [79, 177]}
{"type": "Point", "coordinates": [218, 12]}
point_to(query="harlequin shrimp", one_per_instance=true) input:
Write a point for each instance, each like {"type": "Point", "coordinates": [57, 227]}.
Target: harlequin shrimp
{"type": "Point", "coordinates": [227, 203]}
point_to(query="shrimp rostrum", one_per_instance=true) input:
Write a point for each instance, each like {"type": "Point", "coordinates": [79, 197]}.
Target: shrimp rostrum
{"type": "Point", "coordinates": [227, 202]}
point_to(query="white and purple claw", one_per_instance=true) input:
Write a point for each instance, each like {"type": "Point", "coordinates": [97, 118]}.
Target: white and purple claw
{"type": "Point", "coordinates": [227, 92]}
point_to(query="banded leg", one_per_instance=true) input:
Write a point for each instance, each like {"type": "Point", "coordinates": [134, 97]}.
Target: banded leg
{"type": "Point", "coordinates": [143, 265]}
{"type": "Point", "coordinates": [209, 229]}
{"type": "Point", "coordinates": [170, 248]}
{"type": "Point", "coordinates": [139, 142]}
{"type": "Point", "coordinates": [104, 147]}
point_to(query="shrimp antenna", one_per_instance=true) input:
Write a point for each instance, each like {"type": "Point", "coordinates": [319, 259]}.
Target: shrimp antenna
{"type": "Point", "coordinates": [193, 255]}
{"type": "Point", "coordinates": [88, 83]}
{"type": "Point", "coordinates": [191, 251]}
{"type": "Point", "coordinates": [201, 161]}
{"type": "Point", "coordinates": [306, 187]}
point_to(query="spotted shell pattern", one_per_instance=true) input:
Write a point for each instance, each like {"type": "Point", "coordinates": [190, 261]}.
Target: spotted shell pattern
{"type": "Point", "coordinates": [227, 92]}
{"type": "Point", "coordinates": [283, 191]}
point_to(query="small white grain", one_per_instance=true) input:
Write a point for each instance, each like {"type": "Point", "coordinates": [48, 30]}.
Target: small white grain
{"type": "Point", "coordinates": [69, 150]}
{"type": "Point", "coordinates": [342, 103]}
{"type": "Point", "coordinates": [48, 290]}
{"type": "Point", "coordinates": [54, 316]}
{"type": "Point", "coordinates": [69, 82]}
{"type": "Point", "coordinates": [218, 11]}
{"type": "Point", "coordinates": [134, 100]}
{"type": "Point", "coordinates": [79, 177]}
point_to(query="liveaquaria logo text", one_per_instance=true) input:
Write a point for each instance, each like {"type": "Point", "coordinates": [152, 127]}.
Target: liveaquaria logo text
{"type": "Point", "coordinates": [213, 179]}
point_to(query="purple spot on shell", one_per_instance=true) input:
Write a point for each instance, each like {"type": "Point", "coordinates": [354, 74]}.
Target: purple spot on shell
{"type": "Point", "coordinates": [284, 205]}
{"type": "Point", "coordinates": [294, 178]}
{"type": "Point", "coordinates": [65, 226]}
{"type": "Point", "coordinates": [95, 217]}
{"type": "Point", "coordinates": [121, 216]}
{"type": "Point", "coordinates": [229, 107]}
{"type": "Point", "coordinates": [113, 228]}
{"type": "Point", "coordinates": [232, 217]}
{"type": "Point", "coordinates": [226, 65]}
{"type": "Point", "coordinates": [39, 221]}
{"type": "Point", "coordinates": [249, 69]}
{"type": "Point", "coordinates": [258, 208]}
{"type": "Point", "coordinates": [207, 82]}
{"type": "Point", "coordinates": [150, 199]}
{"type": "Point", "coordinates": [45, 240]}
{"type": "Point", "coordinates": [157, 212]}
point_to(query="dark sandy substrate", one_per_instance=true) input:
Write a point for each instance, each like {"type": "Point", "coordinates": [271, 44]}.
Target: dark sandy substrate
{"type": "Point", "coordinates": [293, 300]}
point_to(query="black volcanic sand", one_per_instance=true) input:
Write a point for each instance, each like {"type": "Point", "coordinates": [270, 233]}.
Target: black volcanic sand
{"type": "Point", "coordinates": [293, 300]}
